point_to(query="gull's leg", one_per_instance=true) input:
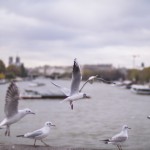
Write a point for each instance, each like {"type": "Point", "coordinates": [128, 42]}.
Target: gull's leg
{"type": "Point", "coordinates": [34, 142]}
{"type": "Point", "coordinates": [7, 132]}
{"type": "Point", "coordinates": [71, 104]}
{"type": "Point", "coordinates": [44, 143]}
{"type": "Point", "coordinates": [118, 147]}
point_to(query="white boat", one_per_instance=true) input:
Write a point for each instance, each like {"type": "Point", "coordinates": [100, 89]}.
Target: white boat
{"type": "Point", "coordinates": [32, 94]}
{"type": "Point", "coordinates": [141, 89]}
{"type": "Point", "coordinates": [36, 84]}
{"type": "Point", "coordinates": [3, 81]}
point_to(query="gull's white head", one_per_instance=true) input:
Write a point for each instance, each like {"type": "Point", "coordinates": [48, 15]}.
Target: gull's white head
{"type": "Point", "coordinates": [85, 96]}
{"type": "Point", "coordinates": [28, 111]}
{"type": "Point", "coordinates": [49, 124]}
{"type": "Point", "coordinates": [125, 127]}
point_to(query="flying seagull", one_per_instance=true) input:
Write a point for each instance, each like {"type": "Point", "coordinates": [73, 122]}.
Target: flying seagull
{"type": "Point", "coordinates": [12, 113]}
{"type": "Point", "coordinates": [73, 93]}
{"type": "Point", "coordinates": [39, 134]}
{"type": "Point", "coordinates": [119, 138]}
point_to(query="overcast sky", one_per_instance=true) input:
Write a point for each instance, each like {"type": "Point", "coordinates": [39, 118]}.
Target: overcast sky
{"type": "Point", "coordinates": [54, 32]}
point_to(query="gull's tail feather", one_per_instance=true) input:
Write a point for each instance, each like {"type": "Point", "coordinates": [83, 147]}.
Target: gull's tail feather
{"type": "Point", "coordinates": [105, 141]}
{"type": "Point", "coordinates": [20, 136]}
{"type": "Point", "coordinates": [2, 127]}
{"type": "Point", "coordinates": [64, 100]}
{"type": "Point", "coordinates": [71, 104]}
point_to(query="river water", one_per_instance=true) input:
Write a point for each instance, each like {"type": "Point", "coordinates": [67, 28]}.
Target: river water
{"type": "Point", "coordinates": [92, 120]}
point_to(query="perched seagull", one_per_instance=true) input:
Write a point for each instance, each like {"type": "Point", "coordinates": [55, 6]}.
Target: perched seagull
{"type": "Point", "coordinates": [148, 117]}
{"type": "Point", "coordinates": [74, 93]}
{"type": "Point", "coordinates": [91, 79]}
{"type": "Point", "coordinates": [12, 113]}
{"type": "Point", "coordinates": [39, 134]}
{"type": "Point", "coordinates": [118, 138]}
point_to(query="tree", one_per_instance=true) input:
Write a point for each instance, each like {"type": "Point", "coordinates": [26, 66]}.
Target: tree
{"type": "Point", "coordinates": [13, 71]}
{"type": "Point", "coordinates": [2, 67]}
{"type": "Point", "coordinates": [23, 71]}
{"type": "Point", "coordinates": [133, 74]}
{"type": "Point", "coordinates": [145, 74]}
{"type": "Point", "coordinates": [2, 76]}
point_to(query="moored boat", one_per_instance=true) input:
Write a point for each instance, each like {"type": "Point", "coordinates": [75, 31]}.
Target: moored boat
{"type": "Point", "coordinates": [32, 94]}
{"type": "Point", "coordinates": [141, 89]}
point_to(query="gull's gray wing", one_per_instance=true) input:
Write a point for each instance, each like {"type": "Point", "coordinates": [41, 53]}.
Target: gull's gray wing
{"type": "Point", "coordinates": [66, 91]}
{"type": "Point", "coordinates": [90, 80]}
{"type": "Point", "coordinates": [33, 134]}
{"type": "Point", "coordinates": [83, 85]}
{"type": "Point", "coordinates": [76, 78]}
{"type": "Point", "coordinates": [118, 138]}
{"type": "Point", "coordinates": [11, 100]}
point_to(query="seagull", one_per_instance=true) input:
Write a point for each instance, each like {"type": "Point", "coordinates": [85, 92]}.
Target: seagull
{"type": "Point", "coordinates": [148, 117]}
{"type": "Point", "coordinates": [73, 93]}
{"type": "Point", "coordinates": [118, 138]}
{"type": "Point", "coordinates": [12, 113]}
{"type": "Point", "coordinates": [39, 134]}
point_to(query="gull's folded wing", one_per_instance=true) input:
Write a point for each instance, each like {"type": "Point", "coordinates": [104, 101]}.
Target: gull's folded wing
{"type": "Point", "coordinates": [33, 134]}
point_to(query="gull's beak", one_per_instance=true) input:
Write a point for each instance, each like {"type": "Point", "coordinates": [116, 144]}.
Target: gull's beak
{"type": "Point", "coordinates": [53, 125]}
{"type": "Point", "coordinates": [88, 96]}
{"type": "Point", "coordinates": [129, 128]}
{"type": "Point", "coordinates": [32, 113]}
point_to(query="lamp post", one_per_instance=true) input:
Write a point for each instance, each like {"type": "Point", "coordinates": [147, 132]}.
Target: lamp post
{"type": "Point", "coordinates": [134, 63]}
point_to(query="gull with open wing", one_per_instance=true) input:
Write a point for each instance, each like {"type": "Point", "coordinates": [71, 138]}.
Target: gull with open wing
{"type": "Point", "coordinates": [12, 113]}
{"type": "Point", "coordinates": [73, 93]}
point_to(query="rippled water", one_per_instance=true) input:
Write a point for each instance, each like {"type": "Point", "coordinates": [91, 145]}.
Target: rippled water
{"type": "Point", "coordinates": [94, 119]}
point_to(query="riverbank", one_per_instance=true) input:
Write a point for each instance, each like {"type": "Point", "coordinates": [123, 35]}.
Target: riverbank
{"type": "Point", "coordinates": [31, 147]}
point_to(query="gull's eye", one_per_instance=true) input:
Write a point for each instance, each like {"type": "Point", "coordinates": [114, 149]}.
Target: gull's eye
{"type": "Point", "coordinates": [28, 111]}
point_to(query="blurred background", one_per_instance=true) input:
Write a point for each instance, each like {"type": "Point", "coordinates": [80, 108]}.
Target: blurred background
{"type": "Point", "coordinates": [38, 43]}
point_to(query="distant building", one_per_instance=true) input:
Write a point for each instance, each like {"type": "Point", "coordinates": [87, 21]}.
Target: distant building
{"type": "Point", "coordinates": [16, 63]}
{"type": "Point", "coordinates": [10, 61]}
{"type": "Point", "coordinates": [51, 71]}
{"type": "Point", "coordinates": [99, 67]}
